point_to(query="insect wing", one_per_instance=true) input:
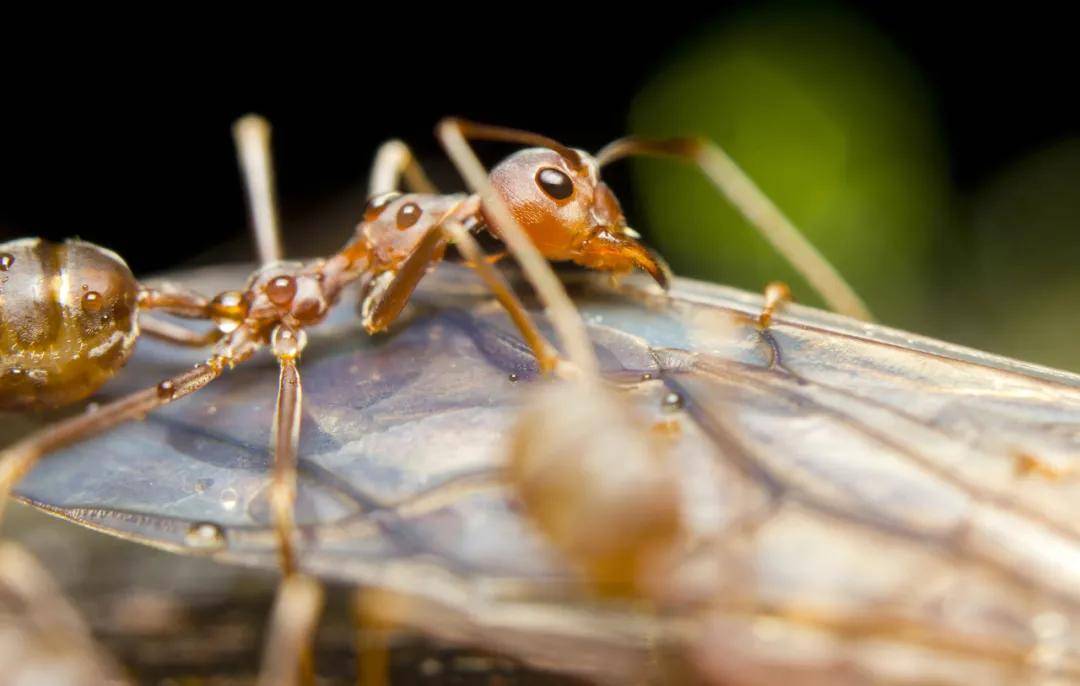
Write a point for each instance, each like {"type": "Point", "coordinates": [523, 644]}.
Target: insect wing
{"type": "Point", "coordinates": [855, 498]}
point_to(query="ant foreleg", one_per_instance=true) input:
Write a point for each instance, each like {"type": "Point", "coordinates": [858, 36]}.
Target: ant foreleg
{"type": "Point", "coordinates": [546, 356]}
{"type": "Point", "coordinates": [756, 207]}
{"type": "Point", "coordinates": [383, 303]}
{"type": "Point", "coordinates": [393, 161]}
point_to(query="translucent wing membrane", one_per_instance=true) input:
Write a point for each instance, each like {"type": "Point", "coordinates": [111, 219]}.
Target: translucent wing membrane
{"type": "Point", "coordinates": [862, 504]}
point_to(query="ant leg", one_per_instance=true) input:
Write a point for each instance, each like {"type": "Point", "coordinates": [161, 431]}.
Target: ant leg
{"type": "Point", "coordinates": [287, 654]}
{"type": "Point", "coordinates": [285, 442]}
{"type": "Point", "coordinates": [48, 631]}
{"type": "Point", "coordinates": [385, 301]}
{"type": "Point", "coordinates": [174, 300]}
{"type": "Point", "coordinates": [178, 335]}
{"type": "Point", "coordinates": [393, 161]}
{"type": "Point", "coordinates": [453, 135]}
{"type": "Point", "coordinates": [545, 354]}
{"type": "Point", "coordinates": [758, 209]}
{"type": "Point", "coordinates": [777, 294]}
{"type": "Point", "coordinates": [287, 658]}
{"type": "Point", "coordinates": [17, 459]}
{"type": "Point", "coordinates": [251, 134]}
{"type": "Point", "coordinates": [390, 290]}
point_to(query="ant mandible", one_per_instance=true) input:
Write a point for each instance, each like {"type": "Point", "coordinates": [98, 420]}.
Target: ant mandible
{"type": "Point", "coordinates": [72, 311]}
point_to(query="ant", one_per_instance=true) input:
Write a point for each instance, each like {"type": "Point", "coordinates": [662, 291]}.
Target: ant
{"type": "Point", "coordinates": [72, 312]}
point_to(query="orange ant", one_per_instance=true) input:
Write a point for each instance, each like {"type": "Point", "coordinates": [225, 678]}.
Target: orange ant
{"type": "Point", "coordinates": [71, 312]}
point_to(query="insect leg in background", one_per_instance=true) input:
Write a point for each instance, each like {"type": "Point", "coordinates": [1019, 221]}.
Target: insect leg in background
{"type": "Point", "coordinates": [758, 209]}
{"type": "Point", "coordinates": [251, 135]}
{"type": "Point", "coordinates": [393, 161]}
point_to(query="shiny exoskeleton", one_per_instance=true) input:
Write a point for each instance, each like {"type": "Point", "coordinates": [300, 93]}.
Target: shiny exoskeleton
{"type": "Point", "coordinates": [68, 321]}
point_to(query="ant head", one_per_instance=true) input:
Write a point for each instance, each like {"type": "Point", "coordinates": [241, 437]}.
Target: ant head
{"type": "Point", "coordinates": [570, 214]}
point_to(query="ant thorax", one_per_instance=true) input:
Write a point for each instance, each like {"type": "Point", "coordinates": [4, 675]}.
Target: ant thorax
{"type": "Point", "coordinates": [395, 223]}
{"type": "Point", "coordinates": [292, 293]}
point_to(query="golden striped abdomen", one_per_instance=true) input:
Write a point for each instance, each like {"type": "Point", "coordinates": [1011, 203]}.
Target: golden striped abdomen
{"type": "Point", "coordinates": [67, 321]}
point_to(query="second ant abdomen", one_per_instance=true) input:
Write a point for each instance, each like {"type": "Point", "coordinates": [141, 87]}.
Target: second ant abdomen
{"type": "Point", "coordinates": [67, 321]}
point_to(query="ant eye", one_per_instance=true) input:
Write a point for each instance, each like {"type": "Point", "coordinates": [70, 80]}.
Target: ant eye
{"type": "Point", "coordinates": [555, 183]}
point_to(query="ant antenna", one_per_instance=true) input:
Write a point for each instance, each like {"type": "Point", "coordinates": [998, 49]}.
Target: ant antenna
{"type": "Point", "coordinates": [487, 132]}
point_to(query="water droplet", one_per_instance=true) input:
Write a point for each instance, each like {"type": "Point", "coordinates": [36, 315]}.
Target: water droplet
{"type": "Point", "coordinates": [166, 390]}
{"type": "Point", "coordinates": [281, 290]}
{"type": "Point", "coordinates": [288, 343]}
{"type": "Point", "coordinates": [646, 376]}
{"type": "Point", "coordinates": [201, 485]}
{"type": "Point", "coordinates": [228, 310]}
{"type": "Point", "coordinates": [6, 260]}
{"type": "Point", "coordinates": [205, 536]}
{"type": "Point", "coordinates": [92, 407]}
{"type": "Point", "coordinates": [229, 498]}
{"type": "Point", "coordinates": [211, 409]}
{"type": "Point", "coordinates": [92, 301]}
{"type": "Point", "coordinates": [672, 402]}
{"type": "Point", "coordinates": [513, 378]}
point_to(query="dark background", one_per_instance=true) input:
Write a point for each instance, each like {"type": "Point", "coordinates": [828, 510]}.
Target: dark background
{"type": "Point", "coordinates": [121, 135]}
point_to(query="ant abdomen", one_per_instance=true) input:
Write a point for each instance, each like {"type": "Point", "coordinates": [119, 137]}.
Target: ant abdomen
{"type": "Point", "coordinates": [68, 321]}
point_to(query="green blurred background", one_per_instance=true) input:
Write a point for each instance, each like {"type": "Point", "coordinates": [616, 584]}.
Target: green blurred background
{"type": "Point", "coordinates": [840, 128]}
